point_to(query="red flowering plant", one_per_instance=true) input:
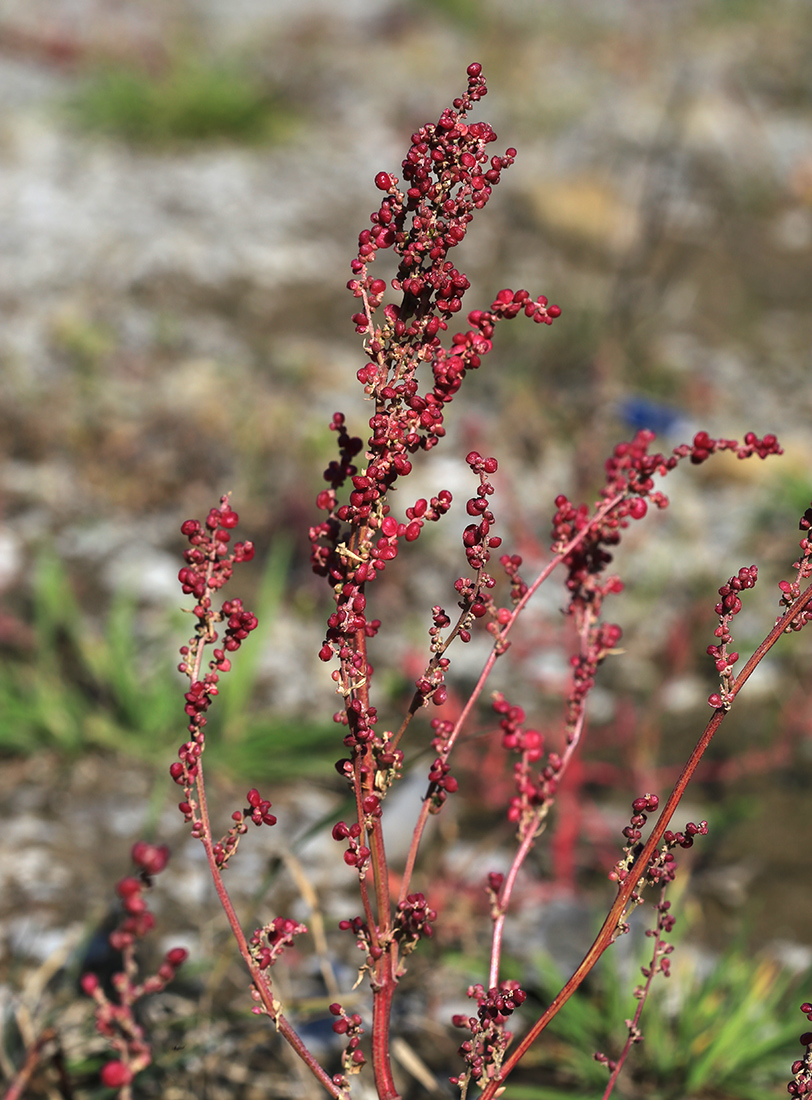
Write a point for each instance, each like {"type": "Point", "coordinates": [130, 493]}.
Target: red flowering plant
{"type": "Point", "coordinates": [115, 1019]}
{"type": "Point", "coordinates": [414, 368]}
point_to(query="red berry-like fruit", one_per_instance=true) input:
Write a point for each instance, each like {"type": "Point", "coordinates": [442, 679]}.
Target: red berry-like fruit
{"type": "Point", "coordinates": [115, 1075]}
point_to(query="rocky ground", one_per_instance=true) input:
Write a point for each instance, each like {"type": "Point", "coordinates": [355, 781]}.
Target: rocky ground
{"type": "Point", "coordinates": [175, 325]}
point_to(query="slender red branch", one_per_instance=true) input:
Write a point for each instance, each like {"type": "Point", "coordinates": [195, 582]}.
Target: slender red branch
{"type": "Point", "coordinates": [35, 1055]}
{"type": "Point", "coordinates": [642, 994]}
{"type": "Point", "coordinates": [384, 980]}
{"type": "Point", "coordinates": [531, 834]}
{"type": "Point", "coordinates": [272, 1007]}
{"type": "Point", "coordinates": [487, 668]}
{"type": "Point", "coordinates": [609, 928]}
{"type": "Point", "coordinates": [381, 1016]}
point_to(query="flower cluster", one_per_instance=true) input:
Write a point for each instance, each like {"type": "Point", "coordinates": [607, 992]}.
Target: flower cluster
{"type": "Point", "coordinates": [791, 590]}
{"type": "Point", "coordinates": [662, 866]}
{"type": "Point", "coordinates": [413, 921]}
{"type": "Point", "coordinates": [356, 854]}
{"type": "Point", "coordinates": [729, 605]}
{"type": "Point", "coordinates": [660, 964]}
{"type": "Point", "coordinates": [484, 1051]}
{"type": "Point", "coordinates": [268, 943]}
{"type": "Point", "coordinates": [360, 928]}
{"type": "Point", "coordinates": [353, 1059]}
{"type": "Point", "coordinates": [801, 1084]}
{"type": "Point", "coordinates": [450, 176]}
{"type": "Point", "coordinates": [209, 566]}
{"type": "Point", "coordinates": [630, 477]}
{"type": "Point", "coordinates": [532, 790]}
{"type": "Point", "coordinates": [441, 783]}
{"type": "Point", "coordinates": [257, 810]}
{"type": "Point", "coordinates": [115, 1020]}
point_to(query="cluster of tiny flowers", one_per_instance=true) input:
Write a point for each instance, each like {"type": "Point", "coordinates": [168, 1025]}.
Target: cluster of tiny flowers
{"type": "Point", "coordinates": [630, 476]}
{"type": "Point", "coordinates": [532, 789]}
{"type": "Point", "coordinates": [353, 1059]}
{"type": "Point", "coordinates": [704, 446]}
{"type": "Point", "coordinates": [363, 938]}
{"type": "Point", "coordinates": [511, 563]}
{"type": "Point", "coordinates": [662, 866]}
{"type": "Point", "coordinates": [413, 921]}
{"type": "Point", "coordinates": [356, 854]}
{"type": "Point", "coordinates": [476, 537]}
{"type": "Point", "coordinates": [661, 964]}
{"type": "Point", "coordinates": [257, 810]}
{"type": "Point", "coordinates": [632, 833]}
{"type": "Point", "coordinates": [484, 1051]}
{"type": "Point", "coordinates": [791, 590]}
{"type": "Point", "coordinates": [209, 566]}
{"type": "Point", "coordinates": [116, 1021]}
{"type": "Point", "coordinates": [801, 1085]}
{"type": "Point", "coordinates": [729, 605]}
{"type": "Point", "coordinates": [268, 943]}
{"type": "Point", "coordinates": [475, 600]}
{"type": "Point", "coordinates": [441, 784]}
{"type": "Point", "coordinates": [450, 176]}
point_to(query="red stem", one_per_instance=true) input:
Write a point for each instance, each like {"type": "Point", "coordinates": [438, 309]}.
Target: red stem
{"type": "Point", "coordinates": [384, 980]}
{"type": "Point", "coordinates": [608, 932]}
{"type": "Point", "coordinates": [506, 892]}
{"type": "Point", "coordinates": [284, 1027]}
{"type": "Point", "coordinates": [604, 509]}
{"type": "Point", "coordinates": [381, 1016]}
{"type": "Point", "coordinates": [658, 939]}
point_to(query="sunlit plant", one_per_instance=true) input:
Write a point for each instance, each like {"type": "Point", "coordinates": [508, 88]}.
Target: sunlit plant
{"type": "Point", "coordinates": [419, 348]}
{"type": "Point", "coordinates": [414, 369]}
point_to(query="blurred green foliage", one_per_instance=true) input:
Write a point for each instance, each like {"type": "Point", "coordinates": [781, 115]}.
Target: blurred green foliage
{"type": "Point", "coordinates": [468, 15]}
{"type": "Point", "coordinates": [193, 102]}
{"type": "Point", "coordinates": [78, 689]}
{"type": "Point", "coordinates": [721, 1027]}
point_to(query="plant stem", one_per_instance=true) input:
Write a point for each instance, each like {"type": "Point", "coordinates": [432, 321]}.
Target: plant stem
{"type": "Point", "coordinates": [608, 931]}
{"type": "Point", "coordinates": [272, 1007]}
{"type": "Point", "coordinates": [495, 652]}
{"type": "Point", "coordinates": [634, 1035]}
{"type": "Point", "coordinates": [531, 832]}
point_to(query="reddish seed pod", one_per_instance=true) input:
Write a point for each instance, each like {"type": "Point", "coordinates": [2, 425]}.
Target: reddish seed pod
{"type": "Point", "coordinates": [89, 984]}
{"type": "Point", "coordinates": [115, 1075]}
{"type": "Point", "coordinates": [152, 858]}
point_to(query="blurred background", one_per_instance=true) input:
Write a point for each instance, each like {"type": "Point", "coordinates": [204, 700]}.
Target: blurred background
{"type": "Point", "coordinates": [181, 188]}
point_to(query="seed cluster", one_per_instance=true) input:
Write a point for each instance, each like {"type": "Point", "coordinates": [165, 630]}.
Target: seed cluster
{"type": "Point", "coordinates": [115, 1020]}
{"type": "Point", "coordinates": [484, 1051]}
{"type": "Point", "coordinates": [209, 566]}
{"type": "Point", "coordinates": [801, 1085]}
{"type": "Point", "coordinates": [729, 605]}
{"type": "Point", "coordinates": [448, 175]}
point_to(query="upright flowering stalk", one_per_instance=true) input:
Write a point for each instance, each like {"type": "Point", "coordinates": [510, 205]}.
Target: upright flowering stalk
{"type": "Point", "coordinates": [447, 176]}
{"type": "Point", "coordinates": [413, 369]}
{"type": "Point", "coordinates": [209, 565]}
